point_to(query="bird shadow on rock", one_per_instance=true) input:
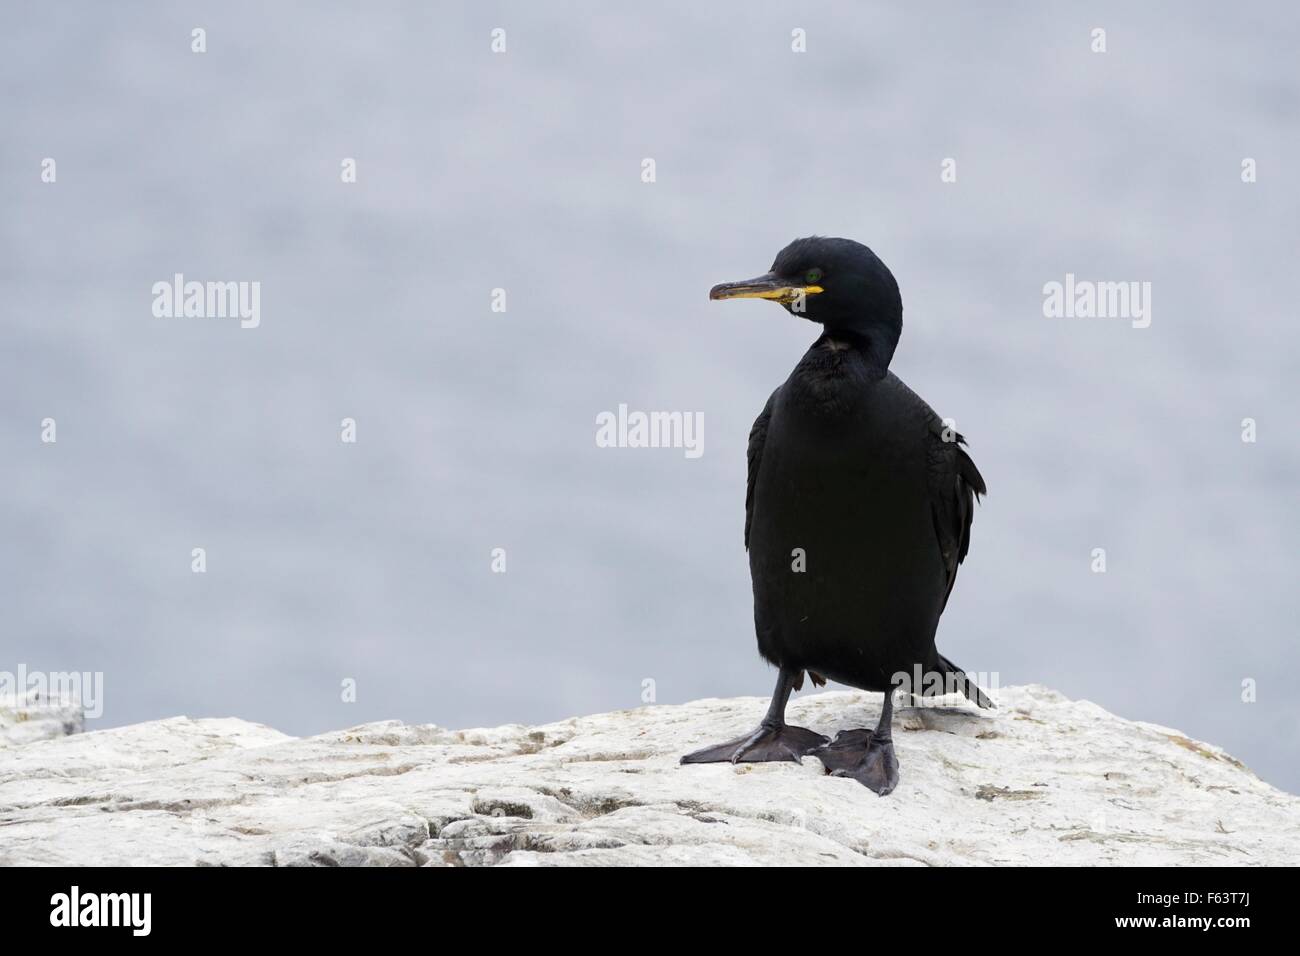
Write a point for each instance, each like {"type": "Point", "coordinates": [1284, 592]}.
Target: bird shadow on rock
{"type": "Point", "coordinates": [962, 719]}
{"type": "Point", "coordinates": [948, 715]}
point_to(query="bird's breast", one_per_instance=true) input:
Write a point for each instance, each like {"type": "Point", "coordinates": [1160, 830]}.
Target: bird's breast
{"type": "Point", "coordinates": [842, 516]}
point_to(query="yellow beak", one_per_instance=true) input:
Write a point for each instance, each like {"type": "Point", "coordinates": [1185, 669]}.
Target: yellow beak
{"type": "Point", "coordinates": [764, 287]}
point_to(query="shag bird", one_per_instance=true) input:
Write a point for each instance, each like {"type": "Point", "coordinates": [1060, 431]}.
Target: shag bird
{"type": "Point", "coordinates": [857, 513]}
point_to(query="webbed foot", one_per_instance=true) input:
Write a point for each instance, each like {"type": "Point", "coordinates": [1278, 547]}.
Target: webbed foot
{"type": "Point", "coordinates": [864, 756]}
{"type": "Point", "coordinates": [765, 744]}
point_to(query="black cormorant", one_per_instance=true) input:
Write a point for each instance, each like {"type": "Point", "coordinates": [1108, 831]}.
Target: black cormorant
{"type": "Point", "coordinates": [857, 513]}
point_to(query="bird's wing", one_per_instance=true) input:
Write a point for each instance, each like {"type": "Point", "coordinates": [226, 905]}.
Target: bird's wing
{"type": "Point", "coordinates": [757, 438]}
{"type": "Point", "coordinates": [955, 485]}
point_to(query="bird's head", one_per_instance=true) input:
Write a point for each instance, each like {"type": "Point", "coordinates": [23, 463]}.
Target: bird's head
{"type": "Point", "coordinates": [837, 282]}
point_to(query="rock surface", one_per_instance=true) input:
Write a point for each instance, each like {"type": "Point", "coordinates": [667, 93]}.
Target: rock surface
{"type": "Point", "coordinates": [30, 717]}
{"type": "Point", "coordinates": [1040, 780]}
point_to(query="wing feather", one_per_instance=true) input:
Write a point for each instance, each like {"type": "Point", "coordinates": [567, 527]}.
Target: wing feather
{"type": "Point", "coordinates": [955, 485]}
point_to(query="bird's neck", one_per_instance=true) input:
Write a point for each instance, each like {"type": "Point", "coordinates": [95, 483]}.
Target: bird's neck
{"type": "Point", "coordinates": [874, 348]}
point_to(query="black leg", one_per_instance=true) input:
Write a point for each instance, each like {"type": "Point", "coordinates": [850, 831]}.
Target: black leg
{"type": "Point", "coordinates": [773, 740]}
{"type": "Point", "coordinates": [866, 756]}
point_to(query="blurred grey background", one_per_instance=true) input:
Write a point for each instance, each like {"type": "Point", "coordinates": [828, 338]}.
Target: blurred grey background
{"type": "Point", "coordinates": [476, 430]}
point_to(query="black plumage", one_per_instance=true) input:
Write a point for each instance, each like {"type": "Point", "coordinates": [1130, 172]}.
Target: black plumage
{"type": "Point", "coordinates": [857, 511]}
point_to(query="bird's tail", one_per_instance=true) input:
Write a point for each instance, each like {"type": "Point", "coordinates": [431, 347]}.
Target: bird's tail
{"type": "Point", "coordinates": [968, 686]}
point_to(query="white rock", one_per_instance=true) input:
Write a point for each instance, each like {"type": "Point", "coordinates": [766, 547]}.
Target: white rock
{"type": "Point", "coordinates": [29, 716]}
{"type": "Point", "coordinates": [1041, 780]}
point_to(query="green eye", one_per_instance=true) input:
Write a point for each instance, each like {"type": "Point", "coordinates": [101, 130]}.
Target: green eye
{"type": "Point", "coordinates": [813, 277]}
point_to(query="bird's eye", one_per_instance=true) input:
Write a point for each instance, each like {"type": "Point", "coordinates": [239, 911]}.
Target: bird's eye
{"type": "Point", "coordinates": [814, 276]}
